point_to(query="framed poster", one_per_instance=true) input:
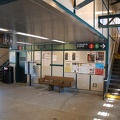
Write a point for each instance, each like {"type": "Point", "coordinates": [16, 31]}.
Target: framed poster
{"type": "Point", "coordinates": [75, 67]}
{"type": "Point", "coordinates": [99, 68]}
{"type": "Point", "coordinates": [72, 56]}
{"type": "Point", "coordinates": [87, 68]}
{"type": "Point", "coordinates": [68, 67]}
{"type": "Point", "coordinates": [46, 58]}
{"type": "Point", "coordinates": [91, 57]}
{"type": "Point", "coordinates": [68, 56]}
{"type": "Point", "coordinates": [99, 56]}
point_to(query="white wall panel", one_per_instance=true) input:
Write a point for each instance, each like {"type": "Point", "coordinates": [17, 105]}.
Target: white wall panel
{"type": "Point", "coordinates": [29, 56]}
{"type": "Point", "coordinates": [73, 75]}
{"type": "Point", "coordinates": [57, 57]}
{"type": "Point", "coordinates": [37, 56]}
{"type": "Point", "coordinates": [97, 80]}
{"type": "Point", "coordinates": [57, 71]}
{"type": "Point", "coordinates": [86, 12]}
{"type": "Point", "coordinates": [46, 70]}
{"type": "Point", "coordinates": [83, 56]}
{"type": "Point", "coordinates": [83, 81]}
{"type": "Point", "coordinates": [67, 3]}
{"type": "Point", "coordinates": [46, 61]}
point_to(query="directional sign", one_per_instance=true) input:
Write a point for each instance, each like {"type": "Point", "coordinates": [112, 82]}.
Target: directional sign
{"type": "Point", "coordinates": [91, 46]}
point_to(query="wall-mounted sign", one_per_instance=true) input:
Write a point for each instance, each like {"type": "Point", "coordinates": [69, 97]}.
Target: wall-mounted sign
{"type": "Point", "coordinates": [90, 46]}
{"type": "Point", "coordinates": [99, 68]}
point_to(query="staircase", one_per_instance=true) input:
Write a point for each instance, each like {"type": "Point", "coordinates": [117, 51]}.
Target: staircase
{"type": "Point", "coordinates": [114, 86]}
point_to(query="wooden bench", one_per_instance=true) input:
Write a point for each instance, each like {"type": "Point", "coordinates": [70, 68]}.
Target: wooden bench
{"type": "Point", "coordinates": [59, 81]}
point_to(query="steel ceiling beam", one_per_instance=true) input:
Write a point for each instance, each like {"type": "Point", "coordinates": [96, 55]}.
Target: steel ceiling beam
{"type": "Point", "coordinates": [110, 20]}
{"type": "Point", "coordinates": [84, 3]}
{"type": "Point", "coordinates": [2, 2]}
{"type": "Point", "coordinates": [115, 2]}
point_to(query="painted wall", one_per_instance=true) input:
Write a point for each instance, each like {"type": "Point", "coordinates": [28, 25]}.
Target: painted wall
{"type": "Point", "coordinates": [86, 12]}
{"type": "Point", "coordinates": [67, 3]}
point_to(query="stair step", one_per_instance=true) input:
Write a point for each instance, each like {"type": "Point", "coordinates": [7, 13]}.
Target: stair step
{"type": "Point", "coordinates": [114, 90]}
{"type": "Point", "coordinates": [116, 68]}
{"type": "Point", "coordinates": [116, 65]}
{"type": "Point", "coordinates": [115, 81]}
{"type": "Point", "coordinates": [113, 85]}
{"type": "Point", "coordinates": [115, 76]}
{"type": "Point", "coordinates": [117, 61]}
{"type": "Point", "coordinates": [115, 72]}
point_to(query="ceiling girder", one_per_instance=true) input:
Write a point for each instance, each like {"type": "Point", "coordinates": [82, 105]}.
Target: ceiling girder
{"type": "Point", "coordinates": [2, 2]}
{"type": "Point", "coordinates": [110, 20]}
{"type": "Point", "coordinates": [113, 3]}
{"type": "Point", "coordinates": [82, 4]}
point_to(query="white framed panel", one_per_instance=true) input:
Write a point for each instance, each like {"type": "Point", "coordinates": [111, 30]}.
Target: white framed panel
{"type": "Point", "coordinates": [46, 70]}
{"type": "Point", "coordinates": [86, 12]}
{"type": "Point", "coordinates": [29, 55]}
{"type": "Point", "coordinates": [83, 57]}
{"type": "Point", "coordinates": [37, 56]}
{"type": "Point", "coordinates": [57, 71]}
{"type": "Point", "coordinates": [97, 82]}
{"type": "Point", "coordinates": [83, 81]}
{"type": "Point", "coordinates": [67, 3]}
{"type": "Point", "coordinates": [46, 61]}
{"type": "Point", "coordinates": [73, 75]}
{"type": "Point", "coordinates": [57, 57]}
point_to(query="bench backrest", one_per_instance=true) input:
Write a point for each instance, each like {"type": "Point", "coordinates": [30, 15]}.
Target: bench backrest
{"type": "Point", "coordinates": [47, 77]}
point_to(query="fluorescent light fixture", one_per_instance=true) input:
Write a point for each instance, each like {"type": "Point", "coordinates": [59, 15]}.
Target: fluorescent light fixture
{"type": "Point", "coordinates": [103, 12]}
{"type": "Point", "coordinates": [107, 105]}
{"type": "Point", "coordinates": [59, 41]}
{"type": "Point", "coordinates": [105, 114]}
{"type": "Point", "coordinates": [24, 43]}
{"type": "Point", "coordinates": [5, 30]}
{"type": "Point", "coordinates": [30, 35]}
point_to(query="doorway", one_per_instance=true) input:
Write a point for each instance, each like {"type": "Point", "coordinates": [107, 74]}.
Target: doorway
{"type": "Point", "coordinates": [20, 67]}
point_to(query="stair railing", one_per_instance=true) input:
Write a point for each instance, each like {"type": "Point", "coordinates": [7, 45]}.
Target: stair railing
{"type": "Point", "coordinates": [2, 64]}
{"type": "Point", "coordinates": [108, 69]}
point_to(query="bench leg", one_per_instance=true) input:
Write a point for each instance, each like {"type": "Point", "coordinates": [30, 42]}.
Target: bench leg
{"type": "Point", "coordinates": [60, 89]}
{"type": "Point", "coordinates": [50, 87]}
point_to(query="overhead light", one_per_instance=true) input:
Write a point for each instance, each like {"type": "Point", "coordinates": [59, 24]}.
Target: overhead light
{"type": "Point", "coordinates": [59, 41]}
{"type": "Point", "coordinates": [1, 29]}
{"type": "Point", "coordinates": [24, 43]}
{"type": "Point", "coordinates": [30, 35]}
{"type": "Point", "coordinates": [103, 12]}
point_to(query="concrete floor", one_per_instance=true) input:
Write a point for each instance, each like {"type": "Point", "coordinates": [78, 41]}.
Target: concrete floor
{"type": "Point", "coordinates": [21, 102]}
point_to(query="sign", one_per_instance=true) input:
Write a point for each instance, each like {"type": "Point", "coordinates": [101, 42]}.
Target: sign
{"type": "Point", "coordinates": [91, 46]}
{"type": "Point", "coordinates": [99, 68]}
